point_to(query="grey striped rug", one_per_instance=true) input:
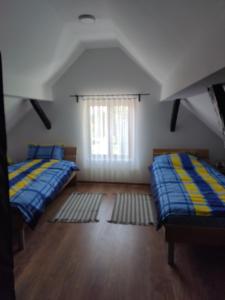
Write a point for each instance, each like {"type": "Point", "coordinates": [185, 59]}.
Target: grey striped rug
{"type": "Point", "coordinates": [132, 208]}
{"type": "Point", "coordinates": [79, 208]}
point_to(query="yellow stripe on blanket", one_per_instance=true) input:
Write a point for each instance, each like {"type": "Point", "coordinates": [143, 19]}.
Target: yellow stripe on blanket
{"type": "Point", "coordinates": [32, 176]}
{"type": "Point", "coordinates": [177, 163]}
{"type": "Point", "coordinates": [200, 204]}
{"type": "Point", "coordinates": [210, 180]}
{"type": "Point", "coordinates": [24, 168]}
{"type": "Point", "coordinates": [198, 200]}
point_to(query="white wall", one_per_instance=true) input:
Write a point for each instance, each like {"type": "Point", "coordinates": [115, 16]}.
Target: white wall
{"type": "Point", "coordinates": [109, 71]}
{"type": "Point", "coordinates": [25, 88]}
{"type": "Point", "coordinates": [15, 110]}
{"type": "Point", "coordinates": [201, 61]}
{"type": "Point", "coordinates": [201, 105]}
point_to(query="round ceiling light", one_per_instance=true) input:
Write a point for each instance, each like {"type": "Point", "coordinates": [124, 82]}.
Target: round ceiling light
{"type": "Point", "coordinates": [87, 19]}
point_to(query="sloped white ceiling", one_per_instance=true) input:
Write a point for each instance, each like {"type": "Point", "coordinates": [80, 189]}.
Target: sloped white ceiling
{"type": "Point", "coordinates": [15, 111]}
{"type": "Point", "coordinates": [201, 106]}
{"type": "Point", "coordinates": [177, 42]}
{"type": "Point", "coordinates": [197, 99]}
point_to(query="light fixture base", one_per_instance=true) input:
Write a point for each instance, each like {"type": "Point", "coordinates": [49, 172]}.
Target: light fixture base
{"type": "Point", "coordinates": [87, 18]}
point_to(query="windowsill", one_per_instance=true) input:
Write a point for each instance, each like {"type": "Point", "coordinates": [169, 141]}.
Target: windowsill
{"type": "Point", "coordinates": [111, 161]}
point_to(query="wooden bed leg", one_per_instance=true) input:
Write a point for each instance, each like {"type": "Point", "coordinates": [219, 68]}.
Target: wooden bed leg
{"type": "Point", "coordinates": [171, 254]}
{"type": "Point", "coordinates": [21, 240]}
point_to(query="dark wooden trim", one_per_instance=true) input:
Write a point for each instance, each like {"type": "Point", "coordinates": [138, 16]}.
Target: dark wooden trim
{"type": "Point", "coordinates": [171, 248]}
{"type": "Point", "coordinates": [219, 93]}
{"type": "Point", "coordinates": [200, 153]}
{"type": "Point", "coordinates": [174, 115]}
{"type": "Point", "coordinates": [192, 234]}
{"type": "Point", "coordinates": [7, 290]}
{"type": "Point", "coordinates": [39, 110]}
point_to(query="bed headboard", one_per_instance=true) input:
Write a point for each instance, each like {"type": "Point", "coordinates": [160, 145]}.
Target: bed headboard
{"type": "Point", "coordinates": [70, 153]}
{"type": "Point", "coordinates": [200, 153]}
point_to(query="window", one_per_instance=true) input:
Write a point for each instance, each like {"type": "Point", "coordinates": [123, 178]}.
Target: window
{"type": "Point", "coordinates": [110, 126]}
{"type": "Point", "coordinates": [108, 138]}
{"type": "Point", "coordinates": [111, 130]}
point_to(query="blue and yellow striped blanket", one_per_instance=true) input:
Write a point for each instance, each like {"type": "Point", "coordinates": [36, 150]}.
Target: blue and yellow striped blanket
{"type": "Point", "coordinates": [182, 185]}
{"type": "Point", "coordinates": [34, 183]}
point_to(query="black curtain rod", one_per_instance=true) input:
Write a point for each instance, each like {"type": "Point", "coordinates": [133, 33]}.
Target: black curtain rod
{"type": "Point", "coordinates": [110, 95]}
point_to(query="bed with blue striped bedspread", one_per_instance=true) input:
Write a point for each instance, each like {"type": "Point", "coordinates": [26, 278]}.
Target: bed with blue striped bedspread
{"type": "Point", "coordinates": [33, 183]}
{"type": "Point", "coordinates": [184, 186]}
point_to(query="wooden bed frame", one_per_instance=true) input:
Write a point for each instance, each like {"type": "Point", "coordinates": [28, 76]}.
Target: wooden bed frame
{"type": "Point", "coordinates": [176, 233]}
{"type": "Point", "coordinates": [18, 223]}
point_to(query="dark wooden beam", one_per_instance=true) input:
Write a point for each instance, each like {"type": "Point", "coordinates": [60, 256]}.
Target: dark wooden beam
{"type": "Point", "coordinates": [37, 107]}
{"type": "Point", "coordinates": [7, 291]}
{"type": "Point", "coordinates": [175, 111]}
{"type": "Point", "coordinates": [219, 93]}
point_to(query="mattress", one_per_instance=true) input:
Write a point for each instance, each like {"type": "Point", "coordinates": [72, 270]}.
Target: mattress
{"type": "Point", "coordinates": [33, 183]}
{"type": "Point", "coordinates": [187, 191]}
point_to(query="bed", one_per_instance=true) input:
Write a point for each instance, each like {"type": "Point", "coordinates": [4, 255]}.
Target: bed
{"type": "Point", "coordinates": [33, 184]}
{"type": "Point", "coordinates": [189, 197]}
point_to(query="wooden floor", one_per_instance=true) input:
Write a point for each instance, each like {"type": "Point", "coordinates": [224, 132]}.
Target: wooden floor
{"type": "Point", "coordinates": [104, 261]}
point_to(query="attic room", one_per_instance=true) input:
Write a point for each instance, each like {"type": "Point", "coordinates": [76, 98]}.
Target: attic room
{"type": "Point", "coordinates": [112, 178]}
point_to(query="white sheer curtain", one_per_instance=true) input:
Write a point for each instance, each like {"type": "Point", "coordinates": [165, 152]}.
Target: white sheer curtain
{"type": "Point", "coordinates": [109, 142]}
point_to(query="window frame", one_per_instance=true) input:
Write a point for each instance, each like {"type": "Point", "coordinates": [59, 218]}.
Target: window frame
{"type": "Point", "coordinates": [130, 135]}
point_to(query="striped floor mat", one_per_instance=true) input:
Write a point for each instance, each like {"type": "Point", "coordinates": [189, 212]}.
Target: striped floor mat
{"type": "Point", "coordinates": [131, 208]}
{"type": "Point", "coordinates": [79, 208]}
